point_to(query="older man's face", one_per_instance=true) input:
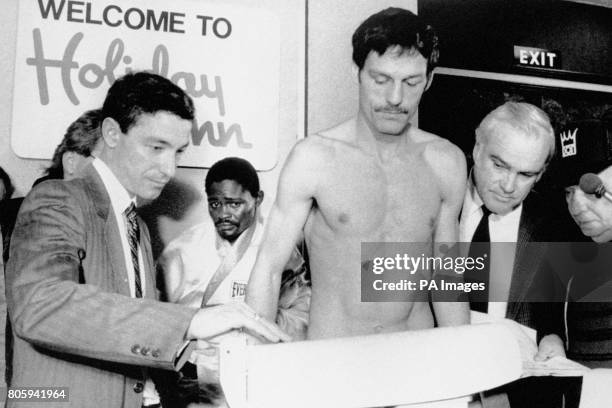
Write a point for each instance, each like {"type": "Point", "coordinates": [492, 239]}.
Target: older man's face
{"type": "Point", "coordinates": [506, 166]}
{"type": "Point", "coordinates": [593, 215]}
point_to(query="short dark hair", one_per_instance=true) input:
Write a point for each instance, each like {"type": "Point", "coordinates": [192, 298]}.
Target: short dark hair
{"type": "Point", "coordinates": [395, 27]}
{"type": "Point", "coordinates": [236, 169]}
{"type": "Point", "coordinates": [143, 92]}
{"type": "Point", "coordinates": [81, 137]}
{"type": "Point", "coordinates": [8, 185]}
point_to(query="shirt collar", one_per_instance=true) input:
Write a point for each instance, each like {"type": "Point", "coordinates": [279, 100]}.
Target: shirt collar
{"type": "Point", "coordinates": [119, 197]}
{"type": "Point", "coordinates": [473, 202]}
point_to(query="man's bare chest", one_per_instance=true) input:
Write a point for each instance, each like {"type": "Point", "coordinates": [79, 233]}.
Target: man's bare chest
{"type": "Point", "coordinates": [386, 203]}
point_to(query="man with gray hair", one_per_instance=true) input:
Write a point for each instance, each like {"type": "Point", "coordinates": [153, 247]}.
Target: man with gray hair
{"type": "Point", "coordinates": [514, 144]}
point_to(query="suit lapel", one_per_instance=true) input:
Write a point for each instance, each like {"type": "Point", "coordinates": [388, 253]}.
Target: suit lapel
{"type": "Point", "coordinates": [101, 201]}
{"type": "Point", "coordinates": [526, 258]}
{"type": "Point", "coordinates": [117, 257]}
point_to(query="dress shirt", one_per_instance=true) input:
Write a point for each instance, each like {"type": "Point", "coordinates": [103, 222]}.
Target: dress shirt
{"type": "Point", "coordinates": [120, 200]}
{"type": "Point", "coordinates": [503, 229]}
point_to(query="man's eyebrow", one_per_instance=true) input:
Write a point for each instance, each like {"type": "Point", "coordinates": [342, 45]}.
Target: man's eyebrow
{"type": "Point", "coordinates": [499, 159]}
{"type": "Point", "coordinates": [165, 143]}
{"type": "Point", "coordinates": [506, 165]}
{"type": "Point", "coordinates": [231, 199]}
{"type": "Point", "coordinates": [373, 71]}
{"type": "Point", "coordinates": [157, 139]}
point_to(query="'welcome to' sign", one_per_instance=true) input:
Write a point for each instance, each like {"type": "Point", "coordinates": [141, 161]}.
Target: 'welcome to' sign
{"type": "Point", "coordinates": [225, 57]}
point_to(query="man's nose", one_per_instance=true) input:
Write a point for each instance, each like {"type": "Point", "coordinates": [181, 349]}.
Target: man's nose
{"type": "Point", "coordinates": [168, 166]}
{"type": "Point", "coordinates": [578, 201]}
{"type": "Point", "coordinates": [508, 183]}
{"type": "Point", "coordinates": [395, 93]}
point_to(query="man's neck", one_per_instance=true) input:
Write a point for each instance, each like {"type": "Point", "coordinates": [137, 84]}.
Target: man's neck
{"type": "Point", "coordinates": [110, 165]}
{"type": "Point", "coordinates": [386, 146]}
{"type": "Point", "coordinates": [246, 234]}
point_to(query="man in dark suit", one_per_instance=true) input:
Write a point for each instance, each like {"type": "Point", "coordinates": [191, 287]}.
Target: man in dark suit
{"type": "Point", "coordinates": [514, 144]}
{"type": "Point", "coordinates": [80, 279]}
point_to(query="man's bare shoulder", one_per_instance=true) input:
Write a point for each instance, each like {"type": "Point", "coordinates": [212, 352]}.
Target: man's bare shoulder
{"type": "Point", "coordinates": [447, 163]}
{"type": "Point", "coordinates": [441, 153]}
{"type": "Point", "coordinates": [344, 132]}
{"type": "Point", "coordinates": [319, 148]}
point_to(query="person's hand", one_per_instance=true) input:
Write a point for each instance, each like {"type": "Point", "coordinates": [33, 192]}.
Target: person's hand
{"type": "Point", "coordinates": [527, 345]}
{"type": "Point", "coordinates": [212, 321]}
{"type": "Point", "coordinates": [550, 346]}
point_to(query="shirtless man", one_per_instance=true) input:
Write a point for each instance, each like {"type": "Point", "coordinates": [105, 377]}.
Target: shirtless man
{"type": "Point", "coordinates": [374, 178]}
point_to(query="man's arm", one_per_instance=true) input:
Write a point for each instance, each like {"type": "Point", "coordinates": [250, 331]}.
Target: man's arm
{"type": "Point", "coordinates": [448, 162]}
{"type": "Point", "coordinates": [296, 187]}
{"type": "Point", "coordinates": [51, 309]}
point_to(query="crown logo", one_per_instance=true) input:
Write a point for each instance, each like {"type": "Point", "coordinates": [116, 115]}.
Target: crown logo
{"type": "Point", "coordinates": [568, 143]}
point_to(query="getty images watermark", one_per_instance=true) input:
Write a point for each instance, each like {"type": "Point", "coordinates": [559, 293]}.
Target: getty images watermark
{"type": "Point", "coordinates": [396, 272]}
{"type": "Point", "coordinates": [537, 271]}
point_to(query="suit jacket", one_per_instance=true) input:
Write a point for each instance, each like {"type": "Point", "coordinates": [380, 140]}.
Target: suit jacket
{"type": "Point", "coordinates": [538, 223]}
{"type": "Point", "coordinates": [75, 324]}
{"type": "Point", "coordinates": [533, 227]}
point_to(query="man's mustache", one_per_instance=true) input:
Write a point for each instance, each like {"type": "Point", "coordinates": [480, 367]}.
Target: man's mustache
{"type": "Point", "coordinates": [226, 221]}
{"type": "Point", "coordinates": [391, 109]}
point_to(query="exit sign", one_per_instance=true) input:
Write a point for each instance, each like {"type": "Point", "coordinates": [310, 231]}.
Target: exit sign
{"type": "Point", "coordinates": [536, 57]}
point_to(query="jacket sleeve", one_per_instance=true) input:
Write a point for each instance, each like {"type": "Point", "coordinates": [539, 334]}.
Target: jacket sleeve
{"type": "Point", "coordinates": [50, 309]}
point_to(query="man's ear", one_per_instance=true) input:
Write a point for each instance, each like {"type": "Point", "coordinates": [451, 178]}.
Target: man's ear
{"type": "Point", "coordinates": [477, 149]}
{"type": "Point", "coordinates": [356, 71]}
{"type": "Point", "coordinates": [69, 163]}
{"type": "Point", "coordinates": [429, 80]}
{"type": "Point", "coordinates": [111, 131]}
{"type": "Point", "coordinates": [541, 173]}
{"type": "Point", "coordinates": [259, 198]}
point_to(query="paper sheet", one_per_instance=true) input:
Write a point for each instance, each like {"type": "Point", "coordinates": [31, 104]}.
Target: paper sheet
{"type": "Point", "coordinates": [376, 370]}
{"type": "Point", "coordinates": [526, 337]}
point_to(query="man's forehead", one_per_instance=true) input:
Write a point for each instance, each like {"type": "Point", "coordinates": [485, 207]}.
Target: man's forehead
{"type": "Point", "coordinates": [525, 152]}
{"type": "Point", "coordinates": [394, 52]}
{"type": "Point", "coordinates": [227, 187]}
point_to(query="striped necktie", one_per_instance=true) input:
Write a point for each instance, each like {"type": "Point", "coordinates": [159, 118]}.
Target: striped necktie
{"type": "Point", "coordinates": [133, 235]}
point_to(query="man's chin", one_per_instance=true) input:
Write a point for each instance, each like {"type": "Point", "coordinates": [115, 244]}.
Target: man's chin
{"type": "Point", "coordinates": [228, 234]}
{"type": "Point", "coordinates": [392, 130]}
{"type": "Point", "coordinates": [150, 195]}
{"type": "Point", "coordinates": [597, 235]}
